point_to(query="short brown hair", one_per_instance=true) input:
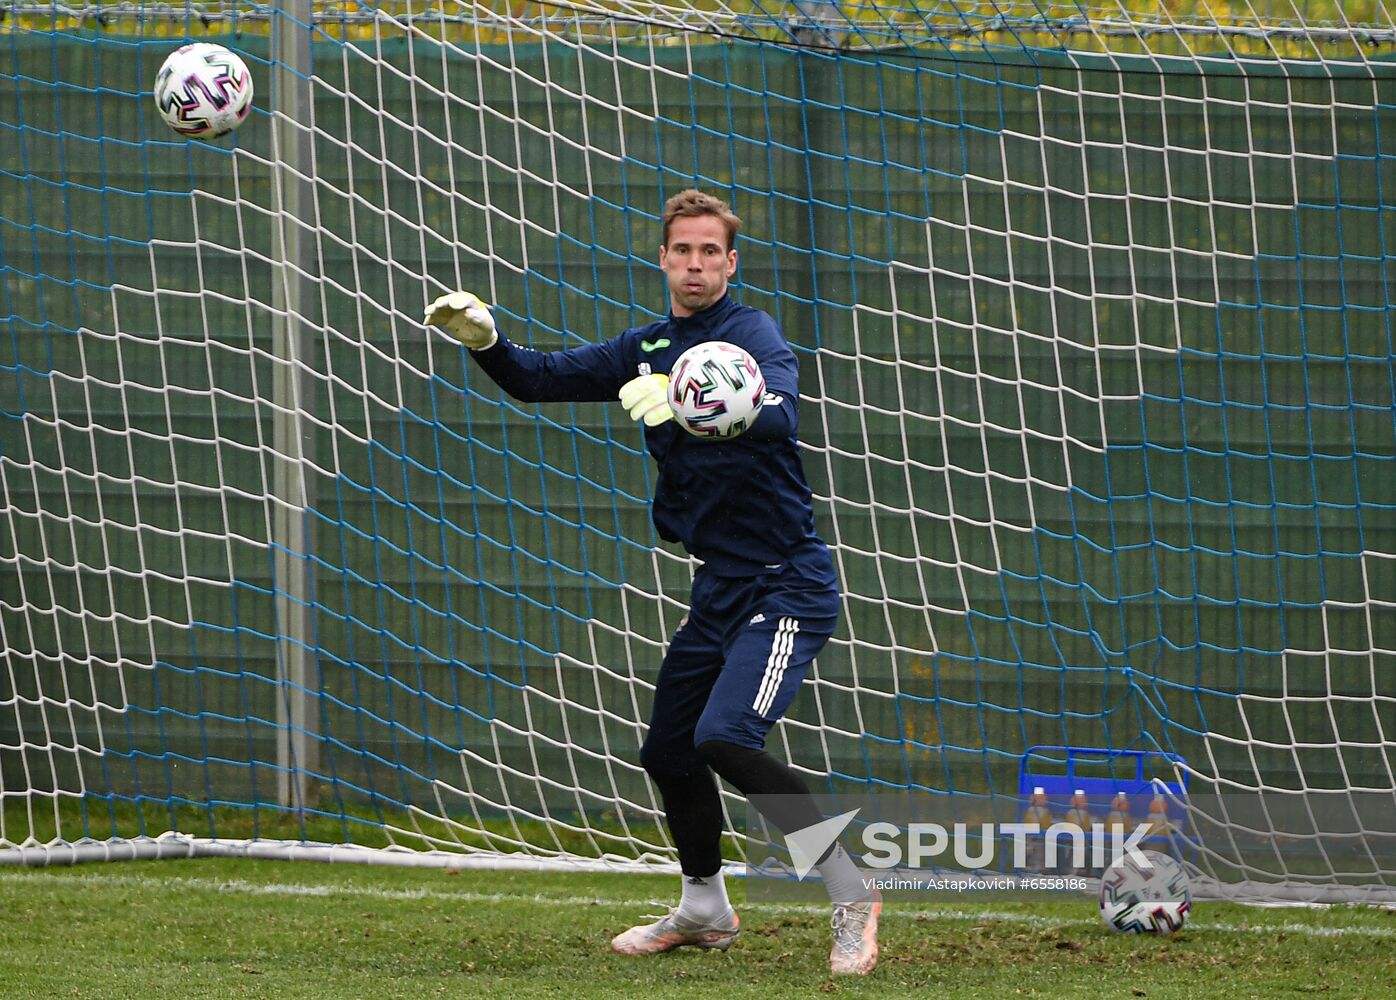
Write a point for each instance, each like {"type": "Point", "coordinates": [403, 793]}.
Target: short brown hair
{"type": "Point", "coordinates": [693, 203]}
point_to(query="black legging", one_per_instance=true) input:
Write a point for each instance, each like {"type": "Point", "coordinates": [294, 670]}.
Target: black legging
{"type": "Point", "coordinates": [693, 807]}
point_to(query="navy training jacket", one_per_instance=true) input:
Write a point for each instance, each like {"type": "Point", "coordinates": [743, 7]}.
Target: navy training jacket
{"type": "Point", "coordinates": [741, 505]}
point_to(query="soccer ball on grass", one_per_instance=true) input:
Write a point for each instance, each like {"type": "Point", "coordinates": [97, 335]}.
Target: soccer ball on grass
{"type": "Point", "coordinates": [203, 90]}
{"type": "Point", "coordinates": [716, 390]}
{"type": "Point", "coordinates": [1135, 899]}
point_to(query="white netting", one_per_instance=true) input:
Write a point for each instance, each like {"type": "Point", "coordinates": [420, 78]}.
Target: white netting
{"type": "Point", "coordinates": [1093, 319]}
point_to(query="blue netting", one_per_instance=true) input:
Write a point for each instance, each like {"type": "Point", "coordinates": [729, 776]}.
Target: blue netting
{"type": "Point", "coordinates": [1099, 394]}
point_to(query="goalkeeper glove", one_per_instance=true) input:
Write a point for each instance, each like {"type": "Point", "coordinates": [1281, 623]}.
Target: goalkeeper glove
{"type": "Point", "coordinates": [465, 317]}
{"type": "Point", "coordinates": [647, 399]}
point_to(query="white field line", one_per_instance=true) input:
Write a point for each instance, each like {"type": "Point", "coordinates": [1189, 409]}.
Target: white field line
{"type": "Point", "coordinates": [966, 915]}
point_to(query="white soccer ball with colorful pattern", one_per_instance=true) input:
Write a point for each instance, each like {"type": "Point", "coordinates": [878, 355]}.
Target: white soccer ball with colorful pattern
{"type": "Point", "coordinates": [716, 390]}
{"type": "Point", "coordinates": [1145, 900]}
{"type": "Point", "coordinates": [203, 91]}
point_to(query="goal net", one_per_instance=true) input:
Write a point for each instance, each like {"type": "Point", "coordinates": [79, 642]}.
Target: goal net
{"type": "Point", "coordinates": [1093, 309]}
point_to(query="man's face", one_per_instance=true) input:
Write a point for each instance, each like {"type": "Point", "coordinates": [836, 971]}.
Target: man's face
{"type": "Point", "coordinates": [696, 263]}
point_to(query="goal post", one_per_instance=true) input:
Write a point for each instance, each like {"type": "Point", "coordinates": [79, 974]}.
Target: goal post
{"type": "Point", "coordinates": [1098, 401]}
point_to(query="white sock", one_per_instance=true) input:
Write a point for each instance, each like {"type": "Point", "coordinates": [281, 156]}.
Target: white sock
{"type": "Point", "coordinates": [842, 878]}
{"type": "Point", "coordinates": [704, 900]}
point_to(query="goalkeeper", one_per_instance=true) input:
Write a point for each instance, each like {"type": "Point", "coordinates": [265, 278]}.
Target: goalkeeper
{"type": "Point", "coordinates": [765, 599]}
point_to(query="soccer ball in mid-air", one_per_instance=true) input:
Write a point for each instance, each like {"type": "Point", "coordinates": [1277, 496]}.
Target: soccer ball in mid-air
{"type": "Point", "coordinates": [203, 90]}
{"type": "Point", "coordinates": [1139, 900]}
{"type": "Point", "coordinates": [716, 390]}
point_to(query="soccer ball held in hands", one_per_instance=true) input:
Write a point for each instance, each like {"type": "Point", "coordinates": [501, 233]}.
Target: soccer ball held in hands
{"type": "Point", "coordinates": [716, 390]}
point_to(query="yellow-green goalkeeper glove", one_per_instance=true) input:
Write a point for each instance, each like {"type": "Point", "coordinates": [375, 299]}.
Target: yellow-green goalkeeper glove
{"type": "Point", "coordinates": [465, 317]}
{"type": "Point", "coordinates": [647, 399]}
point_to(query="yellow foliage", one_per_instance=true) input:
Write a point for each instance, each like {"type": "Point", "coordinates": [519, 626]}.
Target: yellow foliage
{"type": "Point", "coordinates": [1292, 29]}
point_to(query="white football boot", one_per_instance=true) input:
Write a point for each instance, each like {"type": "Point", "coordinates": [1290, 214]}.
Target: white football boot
{"type": "Point", "coordinates": [855, 938]}
{"type": "Point", "coordinates": [675, 931]}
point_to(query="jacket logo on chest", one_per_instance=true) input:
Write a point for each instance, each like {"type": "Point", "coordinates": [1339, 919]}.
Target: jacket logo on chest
{"type": "Point", "coordinates": [648, 347]}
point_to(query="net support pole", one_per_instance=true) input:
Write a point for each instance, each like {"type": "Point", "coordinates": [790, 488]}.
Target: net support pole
{"type": "Point", "coordinates": [292, 483]}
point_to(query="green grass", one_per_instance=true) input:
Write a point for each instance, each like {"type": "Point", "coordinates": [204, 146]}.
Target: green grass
{"type": "Point", "coordinates": [232, 929]}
